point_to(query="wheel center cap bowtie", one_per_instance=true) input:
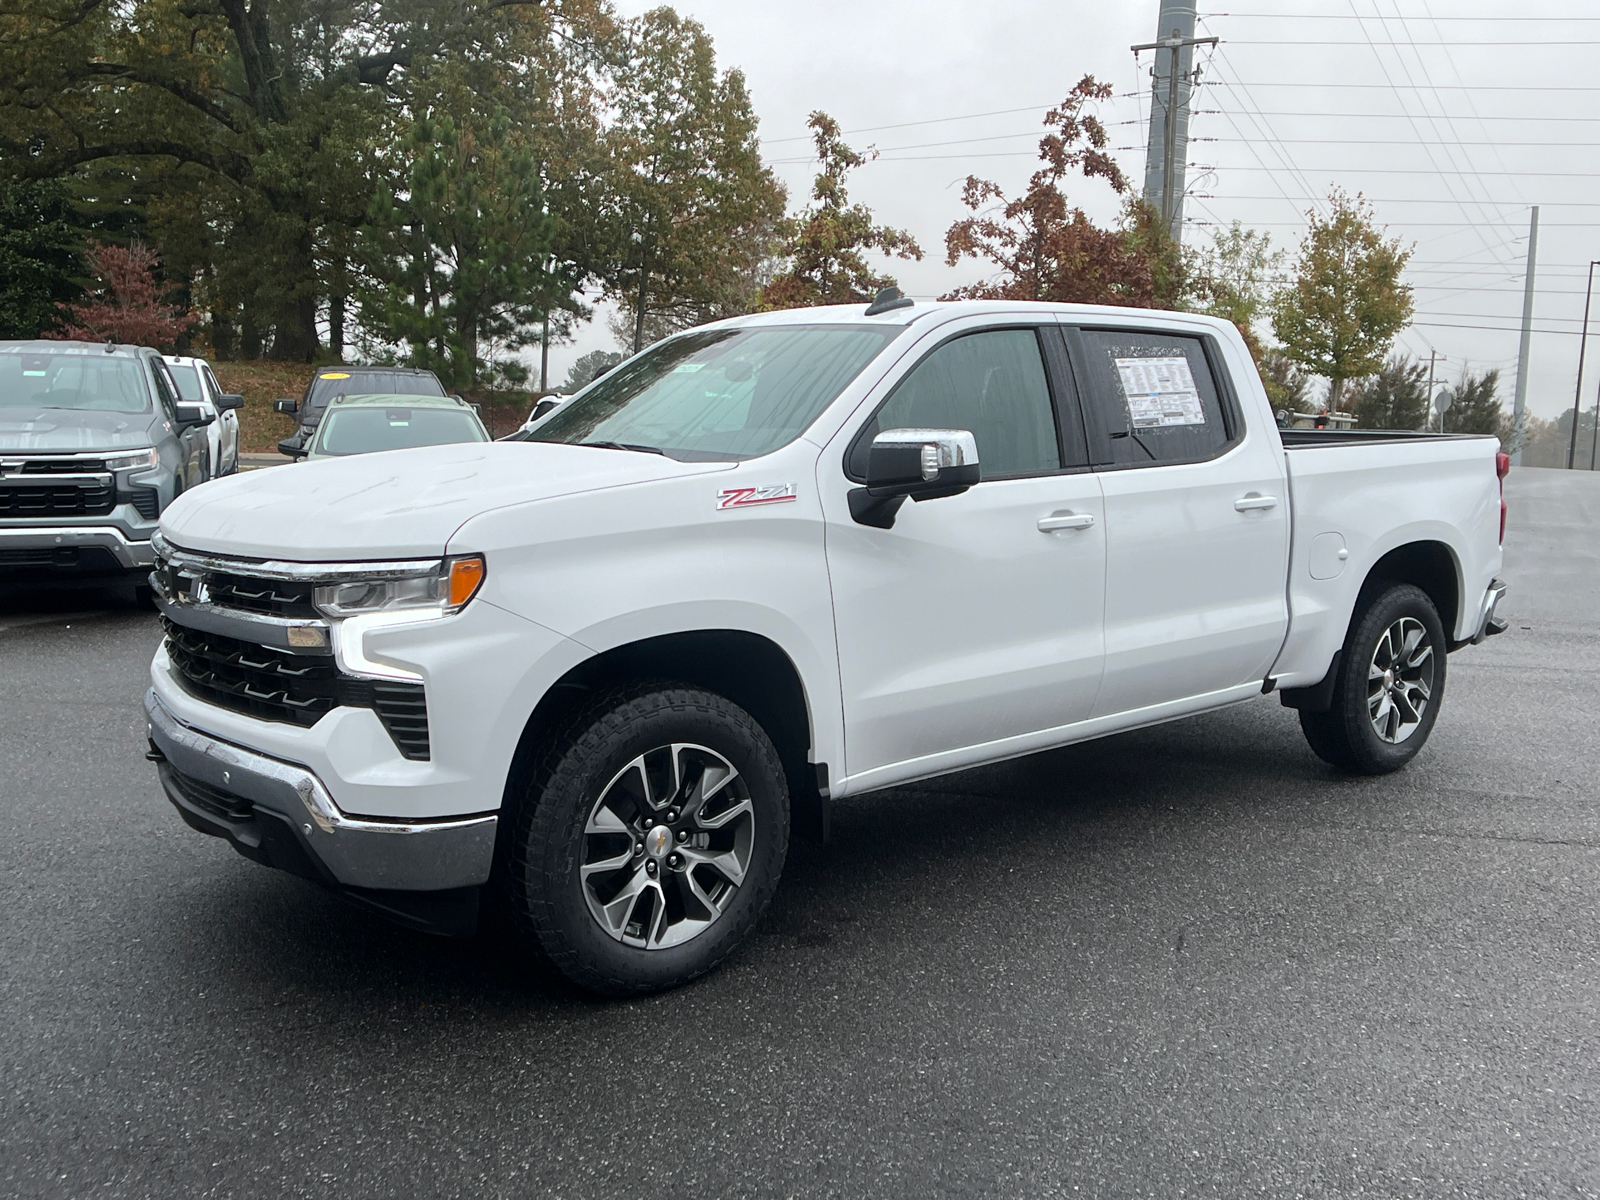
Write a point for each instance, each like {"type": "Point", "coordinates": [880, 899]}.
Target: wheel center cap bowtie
{"type": "Point", "coordinates": [658, 841]}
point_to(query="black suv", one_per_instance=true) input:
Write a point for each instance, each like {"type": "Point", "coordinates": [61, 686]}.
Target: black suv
{"type": "Point", "coordinates": [329, 382]}
{"type": "Point", "coordinates": [95, 441]}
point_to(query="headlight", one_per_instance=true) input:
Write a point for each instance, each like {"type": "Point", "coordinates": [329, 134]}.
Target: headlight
{"type": "Point", "coordinates": [133, 461]}
{"type": "Point", "coordinates": [445, 590]}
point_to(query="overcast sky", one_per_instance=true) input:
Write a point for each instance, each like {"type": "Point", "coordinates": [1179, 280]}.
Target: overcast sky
{"type": "Point", "coordinates": [1451, 123]}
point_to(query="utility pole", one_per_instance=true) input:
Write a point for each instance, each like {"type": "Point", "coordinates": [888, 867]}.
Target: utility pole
{"type": "Point", "coordinates": [1431, 357]}
{"type": "Point", "coordinates": [1583, 344]}
{"type": "Point", "coordinates": [1166, 159]}
{"type": "Point", "coordinates": [1520, 404]}
{"type": "Point", "coordinates": [544, 356]}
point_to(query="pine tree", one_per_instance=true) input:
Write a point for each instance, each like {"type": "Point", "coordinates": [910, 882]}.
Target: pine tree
{"type": "Point", "coordinates": [38, 258]}
{"type": "Point", "coordinates": [1394, 398]}
{"type": "Point", "coordinates": [1475, 407]}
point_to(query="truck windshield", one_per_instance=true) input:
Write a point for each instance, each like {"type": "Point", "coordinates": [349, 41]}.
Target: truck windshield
{"type": "Point", "coordinates": [719, 394]}
{"type": "Point", "coordinates": [365, 430]}
{"type": "Point", "coordinates": [82, 380]}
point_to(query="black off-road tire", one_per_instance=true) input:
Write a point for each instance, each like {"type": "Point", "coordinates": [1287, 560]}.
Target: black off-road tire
{"type": "Point", "coordinates": [543, 885]}
{"type": "Point", "coordinates": [1344, 736]}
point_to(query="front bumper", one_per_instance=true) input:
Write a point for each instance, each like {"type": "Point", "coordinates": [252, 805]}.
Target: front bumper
{"type": "Point", "coordinates": [60, 541]}
{"type": "Point", "coordinates": [282, 815]}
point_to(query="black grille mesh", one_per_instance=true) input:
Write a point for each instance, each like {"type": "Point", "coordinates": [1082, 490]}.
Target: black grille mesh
{"type": "Point", "coordinates": [60, 500]}
{"type": "Point", "coordinates": [147, 501]}
{"type": "Point", "coordinates": [213, 800]}
{"type": "Point", "coordinates": [298, 689]}
{"type": "Point", "coordinates": [64, 466]}
{"type": "Point", "coordinates": [277, 597]}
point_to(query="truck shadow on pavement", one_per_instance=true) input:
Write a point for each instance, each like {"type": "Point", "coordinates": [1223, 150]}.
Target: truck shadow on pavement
{"type": "Point", "coordinates": [897, 877]}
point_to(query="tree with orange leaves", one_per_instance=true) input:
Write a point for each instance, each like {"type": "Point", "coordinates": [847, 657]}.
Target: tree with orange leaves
{"type": "Point", "coordinates": [825, 263]}
{"type": "Point", "coordinates": [125, 304]}
{"type": "Point", "coordinates": [1043, 247]}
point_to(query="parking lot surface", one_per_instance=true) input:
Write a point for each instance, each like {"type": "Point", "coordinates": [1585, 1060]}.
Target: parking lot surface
{"type": "Point", "coordinates": [1188, 961]}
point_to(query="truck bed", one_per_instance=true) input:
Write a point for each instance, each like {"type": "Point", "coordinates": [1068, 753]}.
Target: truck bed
{"type": "Point", "coordinates": [1294, 439]}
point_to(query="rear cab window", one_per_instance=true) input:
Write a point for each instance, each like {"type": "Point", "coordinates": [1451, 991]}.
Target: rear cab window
{"type": "Point", "coordinates": [1151, 398]}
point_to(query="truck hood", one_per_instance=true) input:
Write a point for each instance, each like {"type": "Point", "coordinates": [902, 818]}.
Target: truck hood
{"type": "Point", "coordinates": [72, 429]}
{"type": "Point", "coordinates": [397, 504]}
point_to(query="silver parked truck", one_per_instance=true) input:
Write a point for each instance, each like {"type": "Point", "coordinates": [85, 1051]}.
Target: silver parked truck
{"type": "Point", "coordinates": [95, 442]}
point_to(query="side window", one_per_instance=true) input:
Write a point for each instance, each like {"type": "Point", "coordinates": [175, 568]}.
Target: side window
{"type": "Point", "coordinates": [215, 388]}
{"type": "Point", "coordinates": [1150, 398]}
{"type": "Point", "coordinates": [991, 383]}
{"type": "Point", "coordinates": [166, 391]}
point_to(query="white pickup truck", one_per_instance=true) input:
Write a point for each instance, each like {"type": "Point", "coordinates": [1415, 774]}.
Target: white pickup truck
{"type": "Point", "coordinates": [776, 561]}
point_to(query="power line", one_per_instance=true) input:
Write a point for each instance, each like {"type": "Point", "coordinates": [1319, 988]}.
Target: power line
{"type": "Point", "coordinates": [1321, 42]}
{"type": "Point", "coordinates": [999, 112]}
{"type": "Point", "coordinates": [1444, 178]}
{"type": "Point", "coordinates": [1341, 116]}
{"type": "Point", "coordinates": [1465, 87]}
{"type": "Point", "coordinates": [1347, 17]}
{"type": "Point", "coordinates": [1433, 171]}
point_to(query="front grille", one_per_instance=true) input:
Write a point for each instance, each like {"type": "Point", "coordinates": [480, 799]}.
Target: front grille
{"type": "Point", "coordinates": [213, 800]}
{"type": "Point", "coordinates": [276, 597]}
{"type": "Point", "coordinates": [298, 689]}
{"type": "Point", "coordinates": [147, 501]}
{"type": "Point", "coordinates": [64, 500]}
{"type": "Point", "coordinates": [63, 466]}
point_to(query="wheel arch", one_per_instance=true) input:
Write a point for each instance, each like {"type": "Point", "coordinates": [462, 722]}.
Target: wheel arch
{"type": "Point", "coordinates": [749, 669]}
{"type": "Point", "coordinates": [1430, 565]}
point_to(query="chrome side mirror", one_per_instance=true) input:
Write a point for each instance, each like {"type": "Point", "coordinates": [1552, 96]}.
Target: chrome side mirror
{"type": "Point", "coordinates": [924, 464]}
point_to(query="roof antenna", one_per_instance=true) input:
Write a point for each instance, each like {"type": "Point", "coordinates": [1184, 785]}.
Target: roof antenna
{"type": "Point", "coordinates": [887, 300]}
{"type": "Point", "coordinates": [111, 346]}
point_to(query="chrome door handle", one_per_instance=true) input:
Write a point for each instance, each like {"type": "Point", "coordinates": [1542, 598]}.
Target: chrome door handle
{"type": "Point", "coordinates": [1254, 501]}
{"type": "Point", "coordinates": [1065, 520]}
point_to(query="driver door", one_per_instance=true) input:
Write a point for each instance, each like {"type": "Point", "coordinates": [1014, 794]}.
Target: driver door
{"type": "Point", "coordinates": [969, 623]}
{"type": "Point", "coordinates": [193, 443]}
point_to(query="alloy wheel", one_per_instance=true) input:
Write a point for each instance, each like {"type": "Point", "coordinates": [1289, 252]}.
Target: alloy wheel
{"type": "Point", "coordinates": [667, 846]}
{"type": "Point", "coordinates": [1400, 680]}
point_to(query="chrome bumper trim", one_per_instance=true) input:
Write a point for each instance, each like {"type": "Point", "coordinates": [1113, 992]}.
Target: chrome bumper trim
{"type": "Point", "coordinates": [360, 853]}
{"type": "Point", "coordinates": [262, 629]}
{"type": "Point", "coordinates": [320, 572]}
{"type": "Point", "coordinates": [128, 552]}
{"type": "Point", "coordinates": [1488, 623]}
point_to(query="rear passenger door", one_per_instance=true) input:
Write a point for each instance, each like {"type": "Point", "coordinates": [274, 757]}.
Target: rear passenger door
{"type": "Point", "coordinates": [1196, 518]}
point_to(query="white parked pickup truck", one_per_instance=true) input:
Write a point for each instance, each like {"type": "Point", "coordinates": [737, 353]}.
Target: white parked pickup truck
{"type": "Point", "coordinates": [776, 561]}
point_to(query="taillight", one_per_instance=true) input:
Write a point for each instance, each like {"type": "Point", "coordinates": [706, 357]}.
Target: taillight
{"type": "Point", "coordinates": [1502, 468]}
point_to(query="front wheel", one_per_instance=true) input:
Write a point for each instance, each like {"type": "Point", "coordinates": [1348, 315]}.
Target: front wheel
{"type": "Point", "coordinates": [650, 840]}
{"type": "Point", "coordinates": [1389, 688]}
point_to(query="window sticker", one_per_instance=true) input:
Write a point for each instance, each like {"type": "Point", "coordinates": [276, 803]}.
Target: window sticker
{"type": "Point", "coordinates": [1160, 392]}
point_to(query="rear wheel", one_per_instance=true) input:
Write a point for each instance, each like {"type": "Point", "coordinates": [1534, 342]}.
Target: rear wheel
{"type": "Point", "coordinates": [1390, 685]}
{"type": "Point", "coordinates": [650, 840]}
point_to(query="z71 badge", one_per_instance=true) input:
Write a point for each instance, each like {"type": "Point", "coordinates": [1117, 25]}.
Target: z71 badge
{"type": "Point", "coordinates": [753, 497]}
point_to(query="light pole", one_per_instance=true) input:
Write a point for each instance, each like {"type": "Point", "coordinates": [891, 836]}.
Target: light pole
{"type": "Point", "coordinates": [1583, 344]}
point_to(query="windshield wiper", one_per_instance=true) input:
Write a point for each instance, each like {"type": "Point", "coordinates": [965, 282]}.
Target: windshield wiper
{"type": "Point", "coordinates": [628, 446]}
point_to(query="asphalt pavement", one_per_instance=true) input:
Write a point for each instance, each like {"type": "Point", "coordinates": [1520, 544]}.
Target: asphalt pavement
{"type": "Point", "coordinates": [1189, 961]}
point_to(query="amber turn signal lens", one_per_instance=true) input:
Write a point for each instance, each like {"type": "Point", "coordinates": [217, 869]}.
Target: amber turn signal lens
{"type": "Point", "coordinates": [466, 574]}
